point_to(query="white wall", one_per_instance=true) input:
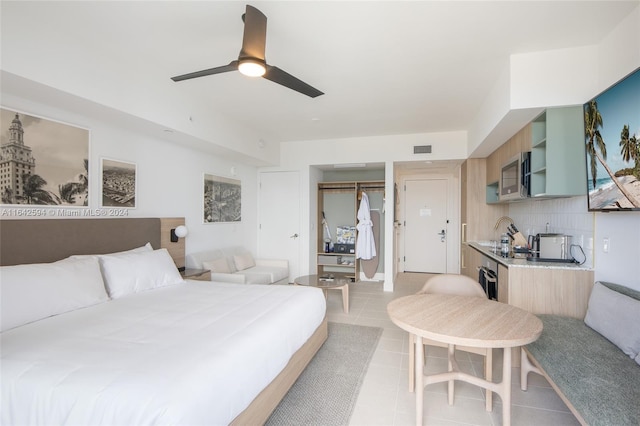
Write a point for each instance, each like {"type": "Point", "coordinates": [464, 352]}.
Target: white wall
{"type": "Point", "coordinates": [552, 78]}
{"type": "Point", "coordinates": [374, 149]}
{"type": "Point", "coordinates": [169, 176]}
{"type": "Point", "coordinates": [622, 263]}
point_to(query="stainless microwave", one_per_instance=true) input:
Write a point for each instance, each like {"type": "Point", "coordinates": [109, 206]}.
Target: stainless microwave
{"type": "Point", "coordinates": [515, 178]}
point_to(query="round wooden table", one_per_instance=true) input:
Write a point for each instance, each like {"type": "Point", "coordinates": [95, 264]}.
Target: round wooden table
{"type": "Point", "coordinates": [337, 283]}
{"type": "Point", "coordinates": [466, 321]}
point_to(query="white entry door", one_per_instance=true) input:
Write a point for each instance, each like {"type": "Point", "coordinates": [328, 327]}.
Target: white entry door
{"type": "Point", "coordinates": [425, 230]}
{"type": "Point", "coordinates": [279, 218]}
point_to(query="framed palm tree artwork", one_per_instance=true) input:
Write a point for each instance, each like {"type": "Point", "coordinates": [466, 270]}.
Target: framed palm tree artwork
{"type": "Point", "coordinates": [222, 199]}
{"type": "Point", "coordinates": [42, 161]}
{"type": "Point", "coordinates": [612, 141]}
{"type": "Point", "coordinates": [118, 183]}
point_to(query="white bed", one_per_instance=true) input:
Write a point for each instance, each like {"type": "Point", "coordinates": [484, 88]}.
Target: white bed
{"type": "Point", "coordinates": [182, 352]}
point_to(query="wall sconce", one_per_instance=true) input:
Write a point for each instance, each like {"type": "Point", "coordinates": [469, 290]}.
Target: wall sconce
{"type": "Point", "coordinates": [178, 232]}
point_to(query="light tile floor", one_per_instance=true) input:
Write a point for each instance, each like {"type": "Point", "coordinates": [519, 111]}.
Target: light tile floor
{"type": "Point", "coordinates": [384, 397]}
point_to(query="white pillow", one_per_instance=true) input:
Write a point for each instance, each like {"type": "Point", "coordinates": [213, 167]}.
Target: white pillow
{"type": "Point", "coordinates": [145, 248]}
{"type": "Point", "coordinates": [217, 265]}
{"type": "Point", "coordinates": [36, 291]}
{"type": "Point", "coordinates": [616, 317]}
{"type": "Point", "coordinates": [139, 271]}
{"type": "Point", "coordinates": [244, 261]}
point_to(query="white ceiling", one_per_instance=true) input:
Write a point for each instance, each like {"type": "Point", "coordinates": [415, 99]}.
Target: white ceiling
{"type": "Point", "coordinates": [386, 67]}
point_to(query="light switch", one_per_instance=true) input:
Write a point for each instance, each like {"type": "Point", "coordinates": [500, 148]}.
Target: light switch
{"type": "Point", "coordinates": [605, 245]}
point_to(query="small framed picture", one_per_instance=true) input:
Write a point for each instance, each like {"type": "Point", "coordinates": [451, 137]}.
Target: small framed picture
{"type": "Point", "coordinates": [118, 183]}
{"type": "Point", "coordinates": [222, 200]}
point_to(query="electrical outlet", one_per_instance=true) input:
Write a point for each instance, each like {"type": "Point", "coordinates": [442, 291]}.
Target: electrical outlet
{"type": "Point", "coordinates": [605, 245]}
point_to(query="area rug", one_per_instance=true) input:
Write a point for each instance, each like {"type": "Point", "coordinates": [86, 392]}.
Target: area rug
{"type": "Point", "coordinates": [326, 391]}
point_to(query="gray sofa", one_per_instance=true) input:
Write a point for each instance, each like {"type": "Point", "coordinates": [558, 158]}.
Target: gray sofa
{"type": "Point", "coordinates": [597, 377]}
{"type": "Point", "coordinates": [237, 265]}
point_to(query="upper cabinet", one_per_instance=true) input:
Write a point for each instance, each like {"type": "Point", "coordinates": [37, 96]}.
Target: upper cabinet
{"type": "Point", "coordinates": [520, 142]}
{"type": "Point", "coordinates": [558, 166]}
{"type": "Point", "coordinates": [477, 218]}
{"type": "Point", "coordinates": [556, 141]}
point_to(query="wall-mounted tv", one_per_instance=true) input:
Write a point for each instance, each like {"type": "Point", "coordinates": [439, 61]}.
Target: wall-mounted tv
{"type": "Point", "coordinates": [612, 137]}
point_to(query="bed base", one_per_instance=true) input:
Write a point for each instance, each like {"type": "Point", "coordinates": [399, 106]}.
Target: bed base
{"type": "Point", "coordinates": [263, 405]}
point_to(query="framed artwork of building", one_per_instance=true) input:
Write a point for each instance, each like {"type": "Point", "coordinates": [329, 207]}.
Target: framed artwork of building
{"type": "Point", "coordinates": [222, 199]}
{"type": "Point", "coordinates": [118, 183]}
{"type": "Point", "coordinates": [42, 162]}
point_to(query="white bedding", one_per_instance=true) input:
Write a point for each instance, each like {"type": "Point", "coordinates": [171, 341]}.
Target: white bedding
{"type": "Point", "coordinates": [192, 353]}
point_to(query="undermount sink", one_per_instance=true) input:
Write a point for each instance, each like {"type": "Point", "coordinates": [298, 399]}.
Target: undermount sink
{"type": "Point", "coordinates": [484, 243]}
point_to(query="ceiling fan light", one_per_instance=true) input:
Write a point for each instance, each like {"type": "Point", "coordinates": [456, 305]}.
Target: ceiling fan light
{"type": "Point", "coordinates": [251, 68]}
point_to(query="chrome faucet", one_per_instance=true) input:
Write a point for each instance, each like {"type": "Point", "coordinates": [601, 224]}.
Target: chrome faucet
{"type": "Point", "coordinates": [502, 219]}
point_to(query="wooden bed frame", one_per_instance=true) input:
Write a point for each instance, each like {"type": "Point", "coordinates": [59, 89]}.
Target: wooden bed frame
{"type": "Point", "coordinates": [49, 240]}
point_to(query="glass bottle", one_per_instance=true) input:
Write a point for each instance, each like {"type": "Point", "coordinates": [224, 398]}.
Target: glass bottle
{"type": "Point", "coordinates": [504, 244]}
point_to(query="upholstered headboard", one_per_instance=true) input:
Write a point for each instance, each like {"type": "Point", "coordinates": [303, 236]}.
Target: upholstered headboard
{"type": "Point", "coordinates": [48, 240]}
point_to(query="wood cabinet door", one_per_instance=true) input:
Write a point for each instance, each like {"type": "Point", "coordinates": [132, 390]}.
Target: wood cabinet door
{"type": "Point", "coordinates": [473, 263]}
{"type": "Point", "coordinates": [503, 284]}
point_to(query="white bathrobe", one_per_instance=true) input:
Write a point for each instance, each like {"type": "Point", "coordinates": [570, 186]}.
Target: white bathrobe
{"type": "Point", "coordinates": [365, 244]}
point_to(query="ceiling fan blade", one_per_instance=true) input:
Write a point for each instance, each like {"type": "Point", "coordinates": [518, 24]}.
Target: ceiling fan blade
{"type": "Point", "coordinates": [254, 39]}
{"type": "Point", "coordinates": [279, 76]}
{"type": "Point", "coordinates": [232, 66]}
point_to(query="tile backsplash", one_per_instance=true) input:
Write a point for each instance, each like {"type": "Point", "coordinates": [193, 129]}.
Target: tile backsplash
{"type": "Point", "coordinates": [568, 216]}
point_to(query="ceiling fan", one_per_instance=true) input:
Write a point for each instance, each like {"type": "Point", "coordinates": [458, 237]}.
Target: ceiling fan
{"type": "Point", "coordinates": [251, 61]}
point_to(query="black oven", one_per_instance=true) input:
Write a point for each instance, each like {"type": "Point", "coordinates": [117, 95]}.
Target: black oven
{"type": "Point", "coordinates": [488, 278]}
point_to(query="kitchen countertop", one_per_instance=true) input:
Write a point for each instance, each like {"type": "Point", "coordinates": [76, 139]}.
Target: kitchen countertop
{"type": "Point", "coordinates": [523, 262]}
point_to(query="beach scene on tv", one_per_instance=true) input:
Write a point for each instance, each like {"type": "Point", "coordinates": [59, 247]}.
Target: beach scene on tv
{"type": "Point", "coordinates": [612, 136]}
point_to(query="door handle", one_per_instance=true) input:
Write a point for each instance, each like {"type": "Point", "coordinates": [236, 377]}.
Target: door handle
{"type": "Point", "coordinates": [294, 236]}
{"type": "Point", "coordinates": [442, 235]}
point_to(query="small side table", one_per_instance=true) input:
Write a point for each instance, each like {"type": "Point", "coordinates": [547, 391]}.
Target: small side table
{"type": "Point", "coordinates": [337, 283]}
{"type": "Point", "coordinates": [196, 274]}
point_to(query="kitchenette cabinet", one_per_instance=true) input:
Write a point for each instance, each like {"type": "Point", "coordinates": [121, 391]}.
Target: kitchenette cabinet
{"type": "Point", "coordinates": [477, 218]}
{"type": "Point", "coordinates": [471, 262]}
{"type": "Point", "coordinates": [518, 143]}
{"type": "Point", "coordinates": [556, 141]}
{"type": "Point", "coordinates": [540, 287]}
{"type": "Point", "coordinates": [557, 153]}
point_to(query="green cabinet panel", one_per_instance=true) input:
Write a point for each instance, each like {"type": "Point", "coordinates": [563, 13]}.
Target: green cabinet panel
{"type": "Point", "coordinates": [558, 153]}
